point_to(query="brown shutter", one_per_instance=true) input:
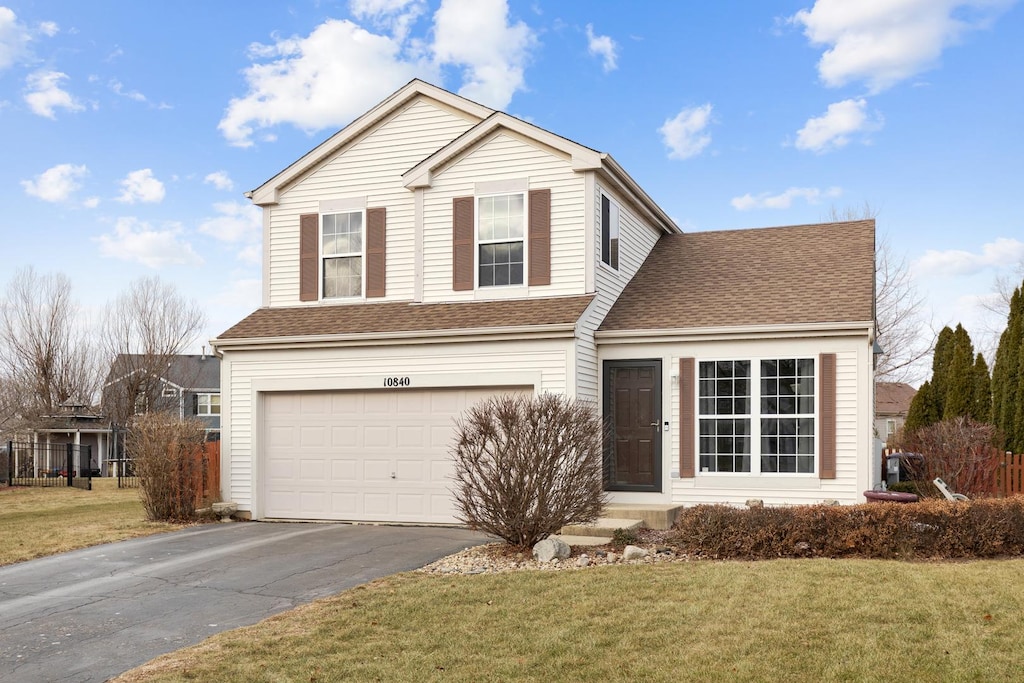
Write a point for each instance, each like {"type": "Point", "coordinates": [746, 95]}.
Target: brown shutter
{"type": "Point", "coordinates": [540, 237]}
{"type": "Point", "coordinates": [309, 254]}
{"type": "Point", "coordinates": [687, 418]}
{"type": "Point", "coordinates": [376, 248]}
{"type": "Point", "coordinates": [463, 261]}
{"type": "Point", "coordinates": [827, 410]}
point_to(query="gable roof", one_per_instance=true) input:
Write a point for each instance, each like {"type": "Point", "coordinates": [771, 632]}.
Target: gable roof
{"type": "Point", "coordinates": [803, 274]}
{"type": "Point", "coordinates": [893, 398]}
{"type": "Point", "coordinates": [268, 192]}
{"type": "Point", "coordinates": [408, 319]}
{"type": "Point", "coordinates": [184, 371]}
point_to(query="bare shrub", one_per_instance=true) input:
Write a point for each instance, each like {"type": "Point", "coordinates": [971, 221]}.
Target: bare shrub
{"type": "Point", "coordinates": [527, 466]}
{"type": "Point", "coordinates": [960, 450]}
{"type": "Point", "coordinates": [168, 458]}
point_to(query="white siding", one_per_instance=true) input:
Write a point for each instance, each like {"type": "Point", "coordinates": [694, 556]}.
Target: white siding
{"type": "Point", "coordinates": [636, 239]}
{"type": "Point", "coordinates": [541, 364]}
{"type": "Point", "coordinates": [854, 464]}
{"type": "Point", "coordinates": [370, 167]}
{"type": "Point", "coordinates": [505, 156]}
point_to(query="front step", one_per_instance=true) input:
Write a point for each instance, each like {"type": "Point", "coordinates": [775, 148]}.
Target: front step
{"type": "Point", "coordinates": [603, 527]}
{"type": "Point", "coordinates": [653, 516]}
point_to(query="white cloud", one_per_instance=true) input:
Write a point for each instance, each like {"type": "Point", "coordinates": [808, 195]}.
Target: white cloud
{"type": "Point", "coordinates": [476, 34]}
{"type": "Point", "coordinates": [1001, 253]}
{"type": "Point", "coordinates": [118, 88]}
{"type": "Point", "coordinates": [833, 129]}
{"type": "Point", "coordinates": [49, 28]}
{"type": "Point", "coordinates": [220, 180]}
{"type": "Point", "coordinates": [296, 80]}
{"type": "Point", "coordinates": [236, 222]}
{"type": "Point", "coordinates": [14, 38]}
{"type": "Point", "coordinates": [883, 42]}
{"type": "Point", "coordinates": [302, 86]}
{"type": "Point", "coordinates": [45, 94]}
{"type": "Point", "coordinates": [397, 16]}
{"type": "Point", "coordinates": [138, 241]}
{"type": "Point", "coordinates": [141, 186]}
{"type": "Point", "coordinates": [765, 200]}
{"type": "Point", "coordinates": [56, 184]}
{"type": "Point", "coordinates": [684, 135]}
{"type": "Point", "coordinates": [91, 202]}
{"type": "Point", "coordinates": [603, 47]}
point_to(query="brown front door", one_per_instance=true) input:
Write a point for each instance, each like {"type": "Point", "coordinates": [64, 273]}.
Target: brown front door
{"type": "Point", "coordinates": [632, 403]}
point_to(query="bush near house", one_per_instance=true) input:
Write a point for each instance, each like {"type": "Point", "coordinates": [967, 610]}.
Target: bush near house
{"type": "Point", "coordinates": [167, 453]}
{"type": "Point", "coordinates": [527, 466]}
{"type": "Point", "coordinates": [931, 529]}
{"type": "Point", "coordinates": [960, 450]}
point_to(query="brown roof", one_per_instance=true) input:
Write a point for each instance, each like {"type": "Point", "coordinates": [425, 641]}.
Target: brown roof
{"type": "Point", "coordinates": [767, 276]}
{"type": "Point", "coordinates": [893, 398]}
{"type": "Point", "coordinates": [381, 318]}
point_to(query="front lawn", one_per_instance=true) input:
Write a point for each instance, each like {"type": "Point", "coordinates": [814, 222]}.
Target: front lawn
{"type": "Point", "coordinates": [43, 521]}
{"type": "Point", "coordinates": [782, 620]}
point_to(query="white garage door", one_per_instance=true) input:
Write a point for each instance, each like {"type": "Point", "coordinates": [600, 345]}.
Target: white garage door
{"type": "Point", "coordinates": [380, 456]}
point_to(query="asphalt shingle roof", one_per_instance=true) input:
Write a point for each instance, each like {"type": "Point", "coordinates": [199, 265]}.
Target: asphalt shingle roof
{"type": "Point", "coordinates": [382, 318]}
{"type": "Point", "coordinates": [768, 276]}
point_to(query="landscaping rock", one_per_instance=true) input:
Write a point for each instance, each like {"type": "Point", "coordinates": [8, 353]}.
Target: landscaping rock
{"type": "Point", "coordinates": [550, 549]}
{"type": "Point", "coordinates": [583, 561]}
{"type": "Point", "coordinates": [612, 558]}
{"type": "Point", "coordinates": [632, 552]}
{"type": "Point", "coordinates": [755, 503]}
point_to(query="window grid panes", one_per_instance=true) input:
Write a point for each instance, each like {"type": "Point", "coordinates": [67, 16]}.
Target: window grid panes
{"type": "Point", "coordinates": [207, 404]}
{"type": "Point", "coordinates": [724, 405]}
{"type": "Point", "coordinates": [500, 229]}
{"type": "Point", "coordinates": [757, 417]}
{"type": "Point", "coordinates": [342, 250]}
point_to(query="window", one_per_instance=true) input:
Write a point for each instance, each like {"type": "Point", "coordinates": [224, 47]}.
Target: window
{"type": "Point", "coordinates": [609, 232]}
{"type": "Point", "coordinates": [341, 251]}
{"type": "Point", "coordinates": [169, 392]}
{"type": "Point", "coordinates": [779, 437]}
{"type": "Point", "coordinates": [890, 428]}
{"type": "Point", "coordinates": [500, 222]}
{"type": "Point", "coordinates": [207, 404]}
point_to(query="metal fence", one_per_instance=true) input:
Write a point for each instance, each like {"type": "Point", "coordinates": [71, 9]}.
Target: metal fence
{"type": "Point", "coordinates": [44, 464]}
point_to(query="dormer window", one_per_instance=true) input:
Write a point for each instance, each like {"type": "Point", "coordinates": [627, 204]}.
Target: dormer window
{"type": "Point", "coordinates": [341, 236]}
{"type": "Point", "coordinates": [500, 231]}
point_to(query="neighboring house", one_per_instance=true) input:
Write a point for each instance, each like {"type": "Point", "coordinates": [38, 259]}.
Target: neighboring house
{"type": "Point", "coordinates": [435, 252]}
{"type": "Point", "coordinates": [892, 402]}
{"type": "Point", "coordinates": [74, 423]}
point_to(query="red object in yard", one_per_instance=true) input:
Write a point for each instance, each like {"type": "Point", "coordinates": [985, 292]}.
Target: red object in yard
{"type": "Point", "coordinates": [890, 497]}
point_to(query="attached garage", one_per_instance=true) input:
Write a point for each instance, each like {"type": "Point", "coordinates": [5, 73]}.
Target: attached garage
{"type": "Point", "coordinates": [374, 456]}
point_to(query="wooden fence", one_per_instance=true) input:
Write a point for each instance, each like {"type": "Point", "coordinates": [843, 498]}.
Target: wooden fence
{"type": "Point", "coordinates": [1007, 478]}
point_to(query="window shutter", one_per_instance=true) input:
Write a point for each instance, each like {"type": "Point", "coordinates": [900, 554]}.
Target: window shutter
{"type": "Point", "coordinates": [827, 448]}
{"type": "Point", "coordinates": [376, 248]}
{"type": "Point", "coordinates": [195, 404]}
{"type": "Point", "coordinates": [540, 237]}
{"type": "Point", "coordinates": [309, 255]}
{"type": "Point", "coordinates": [687, 418]}
{"type": "Point", "coordinates": [463, 259]}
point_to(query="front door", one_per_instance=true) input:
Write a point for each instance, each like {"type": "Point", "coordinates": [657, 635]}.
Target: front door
{"type": "Point", "coordinates": [632, 404]}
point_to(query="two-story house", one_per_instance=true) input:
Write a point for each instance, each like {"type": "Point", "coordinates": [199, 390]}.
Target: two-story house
{"type": "Point", "coordinates": [435, 252]}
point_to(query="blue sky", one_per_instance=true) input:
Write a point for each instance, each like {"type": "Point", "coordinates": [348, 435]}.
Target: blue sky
{"type": "Point", "coordinates": [129, 131]}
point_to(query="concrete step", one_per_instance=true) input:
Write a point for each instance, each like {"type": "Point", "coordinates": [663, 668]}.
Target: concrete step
{"type": "Point", "coordinates": [583, 540]}
{"type": "Point", "coordinates": [604, 527]}
{"type": "Point", "coordinates": [653, 516]}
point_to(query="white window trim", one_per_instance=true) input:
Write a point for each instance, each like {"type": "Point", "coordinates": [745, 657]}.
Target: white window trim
{"type": "Point", "coordinates": [199, 403]}
{"type": "Point", "coordinates": [321, 256]}
{"type": "Point", "coordinates": [477, 242]}
{"type": "Point", "coordinates": [755, 419]}
{"type": "Point", "coordinates": [615, 213]}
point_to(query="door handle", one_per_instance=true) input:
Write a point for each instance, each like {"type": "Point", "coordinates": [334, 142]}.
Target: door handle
{"type": "Point", "coordinates": [657, 426]}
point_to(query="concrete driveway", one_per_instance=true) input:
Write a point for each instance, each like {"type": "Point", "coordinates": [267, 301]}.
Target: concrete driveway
{"type": "Point", "coordinates": [91, 614]}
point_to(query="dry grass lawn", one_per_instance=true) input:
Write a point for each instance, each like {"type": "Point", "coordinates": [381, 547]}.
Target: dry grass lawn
{"type": "Point", "coordinates": [786, 620]}
{"type": "Point", "coordinates": [43, 521]}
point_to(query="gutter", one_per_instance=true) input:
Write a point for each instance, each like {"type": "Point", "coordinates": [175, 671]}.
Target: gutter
{"type": "Point", "coordinates": [734, 332]}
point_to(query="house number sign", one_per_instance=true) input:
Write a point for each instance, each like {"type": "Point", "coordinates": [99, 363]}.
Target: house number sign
{"type": "Point", "coordinates": [397, 382]}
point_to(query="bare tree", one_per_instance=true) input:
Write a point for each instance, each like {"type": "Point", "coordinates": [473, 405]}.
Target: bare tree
{"type": "Point", "coordinates": [46, 355]}
{"type": "Point", "coordinates": [902, 333]}
{"type": "Point", "coordinates": [144, 328]}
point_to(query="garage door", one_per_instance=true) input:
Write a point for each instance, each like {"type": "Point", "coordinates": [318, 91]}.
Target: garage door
{"type": "Point", "coordinates": [380, 456]}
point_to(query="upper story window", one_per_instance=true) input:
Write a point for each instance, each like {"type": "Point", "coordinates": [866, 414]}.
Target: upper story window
{"type": "Point", "coordinates": [169, 392]}
{"type": "Point", "coordinates": [341, 252]}
{"type": "Point", "coordinates": [757, 417]}
{"type": "Point", "coordinates": [207, 404]}
{"type": "Point", "coordinates": [609, 232]}
{"type": "Point", "coordinates": [500, 243]}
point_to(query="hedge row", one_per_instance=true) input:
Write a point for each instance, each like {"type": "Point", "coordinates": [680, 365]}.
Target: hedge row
{"type": "Point", "coordinates": [931, 529]}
